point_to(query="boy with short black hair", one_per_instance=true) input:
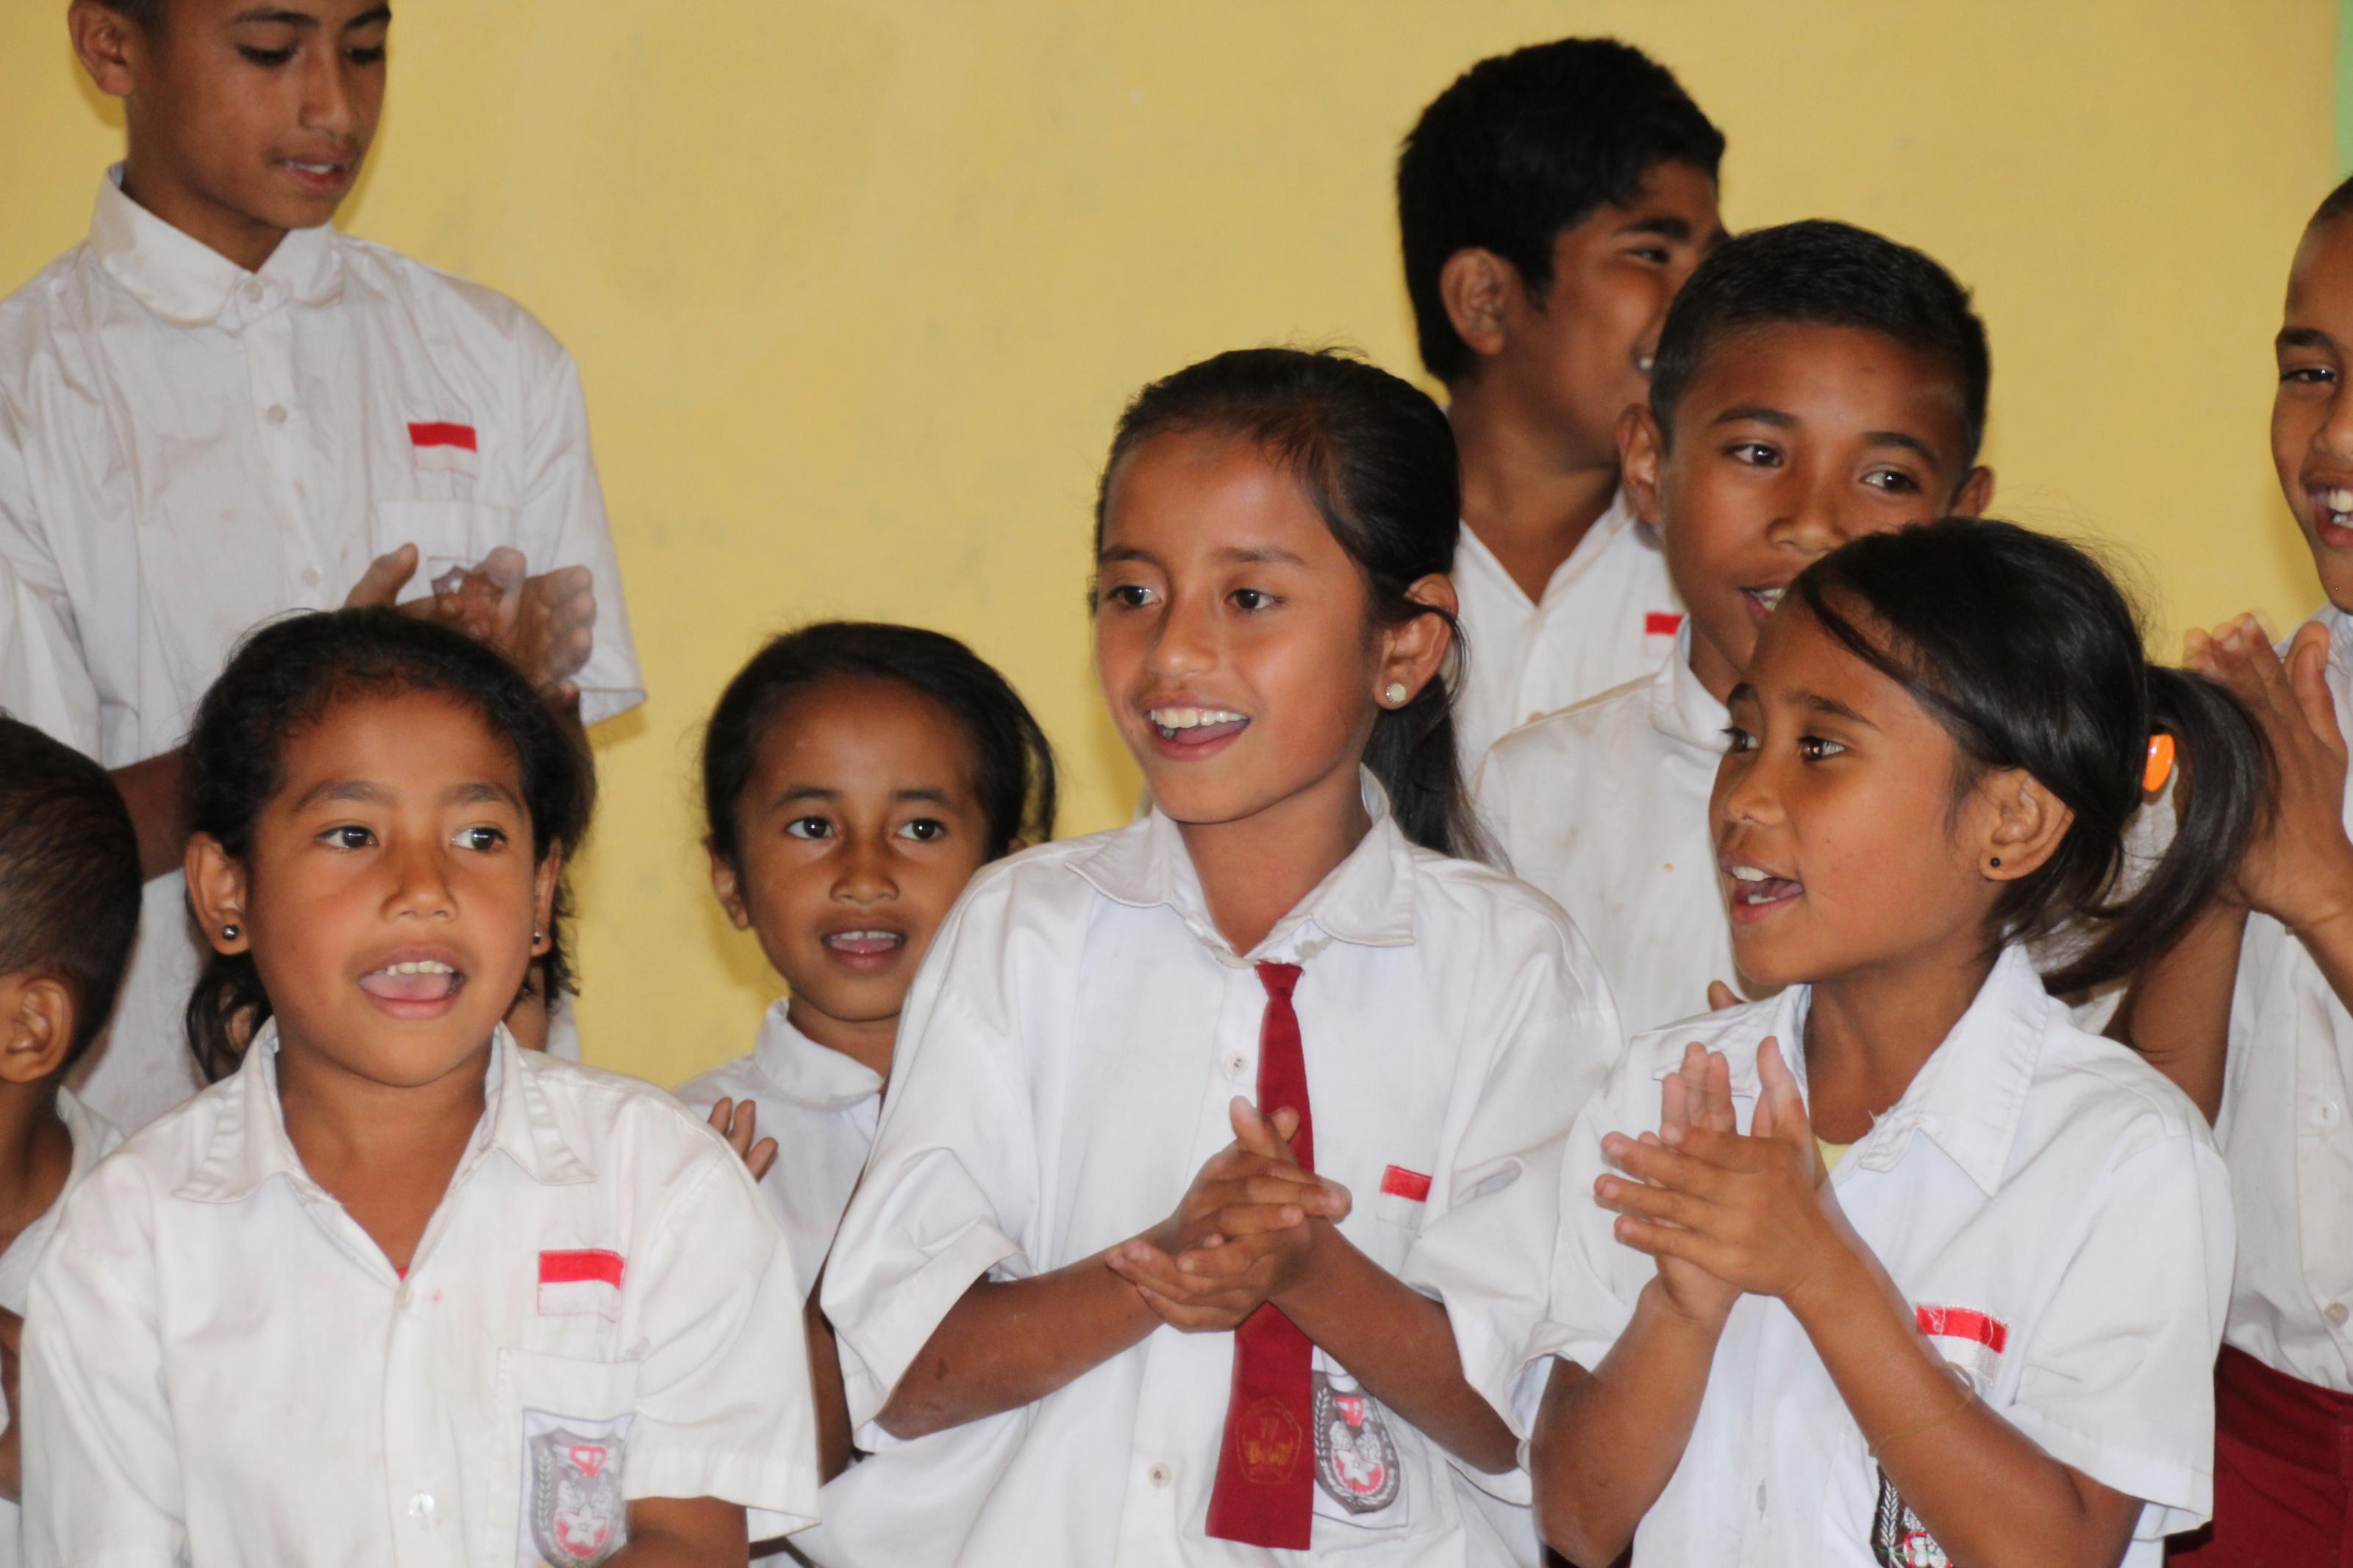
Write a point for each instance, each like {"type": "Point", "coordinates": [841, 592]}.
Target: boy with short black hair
{"type": "Point", "coordinates": [1551, 202]}
{"type": "Point", "coordinates": [217, 408]}
{"type": "Point", "coordinates": [68, 911]}
{"type": "Point", "coordinates": [1814, 382]}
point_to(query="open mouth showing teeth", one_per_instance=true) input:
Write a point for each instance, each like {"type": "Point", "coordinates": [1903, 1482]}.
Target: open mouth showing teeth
{"type": "Point", "coordinates": [419, 980]}
{"type": "Point", "coordinates": [1196, 725]}
{"type": "Point", "coordinates": [1758, 887]}
{"type": "Point", "coordinates": [866, 943]}
{"type": "Point", "coordinates": [1765, 599]}
{"type": "Point", "coordinates": [2336, 503]}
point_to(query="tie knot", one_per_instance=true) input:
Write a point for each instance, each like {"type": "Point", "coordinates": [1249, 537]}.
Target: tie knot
{"type": "Point", "coordinates": [1278, 979]}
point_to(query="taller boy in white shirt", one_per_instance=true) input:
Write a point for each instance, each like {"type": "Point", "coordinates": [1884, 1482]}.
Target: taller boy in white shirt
{"type": "Point", "coordinates": [217, 408]}
{"type": "Point", "coordinates": [1551, 202]}
{"type": "Point", "coordinates": [1815, 382]}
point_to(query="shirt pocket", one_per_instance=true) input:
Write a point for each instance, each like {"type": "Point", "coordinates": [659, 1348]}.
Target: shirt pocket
{"type": "Point", "coordinates": [446, 533]}
{"type": "Point", "coordinates": [557, 1499]}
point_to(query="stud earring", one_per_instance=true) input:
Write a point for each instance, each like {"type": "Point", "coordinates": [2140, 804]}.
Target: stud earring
{"type": "Point", "coordinates": [1394, 694]}
{"type": "Point", "coordinates": [228, 933]}
{"type": "Point", "coordinates": [1996, 860]}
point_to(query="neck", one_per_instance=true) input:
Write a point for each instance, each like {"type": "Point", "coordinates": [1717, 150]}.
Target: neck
{"type": "Point", "coordinates": [1868, 1033]}
{"type": "Point", "coordinates": [334, 1115]}
{"type": "Point", "coordinates": [869, 1041]}
{"type": "Point", "coordinates": [247, 241]}
{"type": "Point", "coordinates": [36, 1152]}
{"type": "Point", "coordinates": [1256, 869]}
{"type": "Point", "coordinates": [1530, 504]}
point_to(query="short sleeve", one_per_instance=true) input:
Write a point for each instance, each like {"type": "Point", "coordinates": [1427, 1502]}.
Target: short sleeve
{"type": "Point", "coordinates": [2117, 1379]}
{"type": "Point", "coordinates": [45, 681]}
{"type": "Point", "coordinates": [723, 1407]}
{"type": "Point", "coordinates": [953, 1179]}
{"type": "Point", "coordinates": [562, 524]}
{"type": "Point", "coordinates": [1545, 1034]}
{"type": "Point", "coordinates": [101, 1474]}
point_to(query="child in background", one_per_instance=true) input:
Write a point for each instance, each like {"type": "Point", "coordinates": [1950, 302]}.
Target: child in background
{"type": "Point", "coordinates": [1551, 202]}
{"type": "Point", "coordinates": [217, 408]}
{"type": "Point", "coordinates": [68, 911]}
{"type": "Point", "coordinates": [1907, 1268]}
{"type": "Point", "coordinates": [1814, 383]}
{"type": "Point", "coordinates": [398, 1275]}
{"type": "Point", "coordinates": [1132, 1273]}
{"type": "Point", "coordinates": [854, 777]}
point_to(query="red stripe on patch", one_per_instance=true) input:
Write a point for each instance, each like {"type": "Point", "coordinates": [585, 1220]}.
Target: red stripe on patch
{"type": "Point", "coordinates": [1400, 1183]}
{"type": "Point", "coordinates": [570, 1267]}
{"type": "Point", "coordinates": [1963, 1323]}
{"type": "Point", "coordinates": [1661, 624]}
{"type": "Point", "coordinates": [442, 434]}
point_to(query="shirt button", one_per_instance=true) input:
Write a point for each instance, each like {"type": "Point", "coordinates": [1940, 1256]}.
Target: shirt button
{"type": "Point", "coordinates": [2337, 1312]}
{"type": "Point", "coordinates": [277, 415]}
{"type": "Point", "coordinates": [1760, 1499]}
{"type": "Point", "coordinates": [401, 1296]}
{"type": "Point", "coordinates": [1237, 1064]}
{"type": "Point", "coordinates": [420, 1508]}
{"type": "Point", "coordinates": [1159, 1475]}
{"type": "Point", "coordinates": [253, 292]}
{"type": "Point", "coordinates": [310, 577]}
{"type": "Point", "coordinates": [2328, 1113]}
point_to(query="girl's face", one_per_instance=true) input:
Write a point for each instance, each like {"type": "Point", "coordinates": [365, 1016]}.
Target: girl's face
{"type": "Point", "coordinates": [391, 901]}
{"type": "Point", "coordinates": [1233, 635]}
{"type": "Point", "coordinates": [1839, 845]}
{"type": "Point", "coordinates": [855, 834]}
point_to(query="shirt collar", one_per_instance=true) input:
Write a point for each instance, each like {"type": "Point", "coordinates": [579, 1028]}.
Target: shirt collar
{"type": "Point", "coordinates": [1615, 519]}
{"type": "Point", "coordinates": [249, 1144]}
{"type": "Point", "coordinates": [1968, 1097]}
{"type": "Point", "coordinates": [1366, 899]}
{"type": "Point", "coordinates": [1681, 707]}
{"type": "Point", "coordinates": [188, 283]}
{"type": "Point", "coordinates": [810, 1074]}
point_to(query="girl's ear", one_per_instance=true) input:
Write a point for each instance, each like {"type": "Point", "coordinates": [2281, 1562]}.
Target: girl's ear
{"type": "Point", "coordinates": [728, 889]}
{"type": "Point", "coordinates": [1414, 651]}
{"type": "Point", "coordinates": [2024, 823]}
{"type": "Point", "coordinates": [544, 882]}
{"type": "Point", "coordinates": [217, 891]}
{"type": "Point", "coordinates": [1641, 446]}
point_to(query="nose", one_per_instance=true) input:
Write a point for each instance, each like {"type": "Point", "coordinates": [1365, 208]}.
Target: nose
{"type": "Point", "coordinates": [420, 886]}
{"type": "Point", "coordinates": [1812, 524]}
{"type": "Point", "coordinates": [1744, 796]}
{"type": "Point", "coordinates": [862, 877]}
{"type": "Point", "coordinates": [2335, 437]}
{"type": "Point", "coordinates": [1184, 641]}
{"type": "Point", "coordinates": [327, 97]}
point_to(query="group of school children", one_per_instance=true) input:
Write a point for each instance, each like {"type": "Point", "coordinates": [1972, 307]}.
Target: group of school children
{"type": "Point", "coordinates": [1918, 1046]}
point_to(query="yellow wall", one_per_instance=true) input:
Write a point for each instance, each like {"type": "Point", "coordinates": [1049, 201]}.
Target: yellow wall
{"type": "Point", "coordinates": [858, 285]}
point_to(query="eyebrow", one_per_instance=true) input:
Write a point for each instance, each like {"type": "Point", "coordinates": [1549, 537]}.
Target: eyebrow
{"type": "Point", "coordinates": [1780, 419]}
{"type": "Point", "coordinates": [925, 793]}
{"type": "Point", "coordinates": [1816, 702]}
{"type": "Point", "coordinates": [2303, 338]}
{"type": "Point", "coordinates": [1664, 224]}
{"type": "Point", "coordinates": [364, 792]}
{"type": "Point", "coordinates": [279, 16]}
{"type": "Point", "coordinates": [1260, 555]}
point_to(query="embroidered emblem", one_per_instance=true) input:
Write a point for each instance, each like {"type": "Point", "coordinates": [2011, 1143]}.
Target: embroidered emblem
{"type": "Point", "coordinates": [1898, 1540]}
{"type": "Point", "coordinates": [1356, 1459]}
{"type": "Point", "coordinates": [576, 1516]}
{"type": "Point", "coordinates": [1267, 1441]}
{"type": "Point", "coordinates": [1971, 1340]}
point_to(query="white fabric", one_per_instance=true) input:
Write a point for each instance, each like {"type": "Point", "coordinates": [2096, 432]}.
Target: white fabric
{"type": "Point", "coordinates": [820, 1106]}
{"type": "Point", "coordinates": [1064, 1068]}
{"type": "Point", "coordinates": [94, 1138]}
{"type": "Point", "coordinates": [1608, 617]}
{"type": "Point", "coordinates": [1604, 806]}
{"type": "Point", "coordinates": [2285, 1131]}
{"type": "Point", "coordinates": [188, 449]}
{"type": "Point", "coordinates": [2033, 1173]}
{"type": "Point", "coordinates": [219, 1363]}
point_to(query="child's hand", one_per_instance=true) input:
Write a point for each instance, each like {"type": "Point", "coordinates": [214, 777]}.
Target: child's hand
{"type": "Point", "coordinates": [1271, 1258]}
{"type": "Point", "coordinates": [2299, 869]}
{"type": "Point", "coordinates": [1698, 1095]}
{"type": "Point", "coordinates": [738, 1123]}
{"type": "Point", "coordinates": [1754, 1212]}
{"type": "Point", "coordinates": [544, 624]}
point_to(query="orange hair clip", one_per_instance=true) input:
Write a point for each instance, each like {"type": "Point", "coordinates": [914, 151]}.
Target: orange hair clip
{"type": "Point", "coordinates": [2160, 763]}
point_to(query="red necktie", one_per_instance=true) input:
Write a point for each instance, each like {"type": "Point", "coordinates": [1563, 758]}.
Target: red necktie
{"type": "Point", "coordinates": [1265, 1493]}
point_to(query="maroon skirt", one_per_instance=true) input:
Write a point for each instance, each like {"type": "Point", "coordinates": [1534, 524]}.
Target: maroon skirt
{"type": "Point", "coordinates": [2283, 1473]}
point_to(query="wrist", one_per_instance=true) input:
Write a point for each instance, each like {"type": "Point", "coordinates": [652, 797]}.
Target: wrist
{"type": "Point", "coordinates": [1309, 1271]}
{"type": "Point", "coordinates": [1836, 1281]}
{"type": "Point", "coordinates": [2323, 897]}
{"type": "Point", "coordinates": [1672, 1316]}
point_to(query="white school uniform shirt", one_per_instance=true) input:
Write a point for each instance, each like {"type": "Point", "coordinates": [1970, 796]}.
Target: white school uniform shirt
{"type": "Point", "coordinates": [221, 1366]}
{"type": "Point", "coordinates": [1064, 1068]}
{"type": "Point", "coordinates": [188, 449]}
{"type": "Point", "coordinates": [820, 1106]}
{"type": "Point", "coordinates": [1609, 616]}
{"type": "Point", "coordinates": [2287, 1086]}
{"type": "Point", "coordinates": [94, 1138]}
{"type": "Point", "coordinates": [2057, 1214]}
{"type": "Point", "coordinates": [1604, 808]}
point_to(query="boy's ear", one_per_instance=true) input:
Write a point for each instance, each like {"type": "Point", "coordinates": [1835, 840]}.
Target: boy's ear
{"type": "Point", "coordinates": [36, 1026]}
{"type": "Point", "coordinates": [2023, 825]}
{"type": "Point", "coordinates": [1641, 449]}
{"type": "Point", "coordinates": [545, 880]}
{"type": "Point", "coordinates": [109, 44]}
{"type": "Point", "coordinates": [728, 887]}
{"type": "Point", "coordinates": [216, 892]}
{"type": "Point", "coordinates": [1414, 651]}
{"type": "Point", "coordinates": [1976, 493]}
{"type": "Point", "coordinates": [1477, 287]}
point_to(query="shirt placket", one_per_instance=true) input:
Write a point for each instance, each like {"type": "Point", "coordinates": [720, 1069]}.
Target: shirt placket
{"type": "Point", "coordinates": [2323, 1174]}
{"type": "Point", "coordinates": [280, 429]}
{"type": "Point", "coordinates": [421, 1494]}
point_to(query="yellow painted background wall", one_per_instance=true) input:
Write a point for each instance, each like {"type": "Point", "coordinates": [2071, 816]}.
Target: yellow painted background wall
{"type": "Point", "coordinates": [858, 287]}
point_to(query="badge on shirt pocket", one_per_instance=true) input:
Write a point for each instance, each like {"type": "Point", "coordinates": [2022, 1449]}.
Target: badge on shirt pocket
{"type": "Point", "coordinates": [1404, 1194]}
{"type": "Point", "coordinates": [1971, 1341]}
{"type": "Point", "coordinates": [1898, 1540]}
{"type": "Point", "coordinates": [1658, 629]}
{"type": "Point", "coordinates": [573, 1418]}
{"type": "Point", "coordinates": [446, 443]}
{"type": "Point", "coordinates": [586, 1279]}
{"type": "Point", "coordinates": [1359, 1468]}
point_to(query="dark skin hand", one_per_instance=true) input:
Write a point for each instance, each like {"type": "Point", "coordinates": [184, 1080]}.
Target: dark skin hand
{"type": "Point", "coordinates": [684, 1533]}
{"type": "Point", "coordinates": [12, 1448]}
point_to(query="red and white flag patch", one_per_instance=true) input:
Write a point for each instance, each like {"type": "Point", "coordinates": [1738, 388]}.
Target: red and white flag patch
{"type": "Point", "coordinates": [1661, 623]}
{"type": "Point", "coordinates": [1971, 1340]}
{"type": "Point", "coordinates": [1403, 1193]}
{"type": "Point", "coordinates": [448, 445]}
{"type": "Point", "coordinates": [587, 1280]}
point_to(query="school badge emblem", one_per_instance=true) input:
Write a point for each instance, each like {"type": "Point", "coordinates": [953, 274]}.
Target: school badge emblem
{"type": "Point", "coordinates": [1356, 1459]}
{"type": "Point", "coordinates": [1898, 1540]}
{"type": "Point", "coordinates": [576, 1516]}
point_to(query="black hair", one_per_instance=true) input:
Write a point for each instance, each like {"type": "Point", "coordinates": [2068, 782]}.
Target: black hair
{"type": "Point", "coordinates": [2027, 654]}
{"type": "Point", "coordinates": [1376, 457]}
{"type": "Point", "coordinates": [1013, 767]}
{"type": "Point", "coordinates": [1525, 145]}
{"type": "Point", "coordinates": [286, 677]}
{"type": "Point", "coordinates": [1820, 273]}
{"type": "Point", "coordinates": [70, 882]}
{"type": "Point", "coordinates": [145, 14]}
{"type": "Point", "coordinates": [2335, 204]}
